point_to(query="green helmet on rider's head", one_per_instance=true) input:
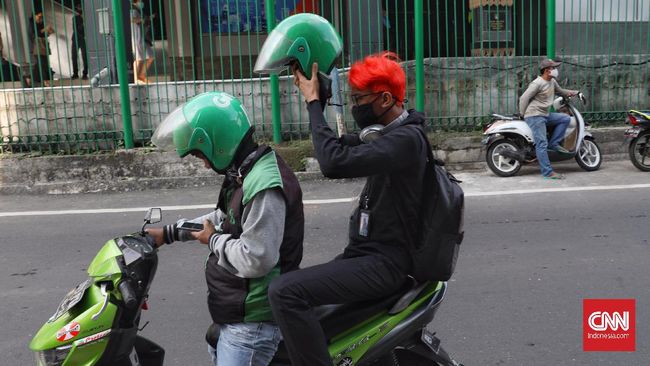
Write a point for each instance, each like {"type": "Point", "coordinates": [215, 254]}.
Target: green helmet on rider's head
{"type": "Point", "coordinates": [303, 38]}
{"type": "Point", "coordinates": [213, 123]}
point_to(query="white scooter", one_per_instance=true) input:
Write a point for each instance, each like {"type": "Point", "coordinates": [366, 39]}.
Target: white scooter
{"type": "Point", "coordinates": [509, 142]}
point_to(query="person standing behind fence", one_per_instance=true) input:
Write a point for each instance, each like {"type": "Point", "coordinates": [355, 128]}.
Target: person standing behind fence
{"type": "Point", "coordinates": [41, 71]}
{"type": "Point", "coordinates": [79, 43]}
{"type": "Point", "coordinates": [141, 50]}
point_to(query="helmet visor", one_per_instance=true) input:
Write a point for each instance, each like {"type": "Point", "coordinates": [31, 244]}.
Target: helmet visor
{"type": "Point", "coordinates": [174, 132]}
{"type": "Point", "coordinates": [273, 57]}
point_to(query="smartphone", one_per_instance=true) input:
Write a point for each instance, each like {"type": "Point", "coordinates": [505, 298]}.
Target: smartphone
{"type": "Point", "coordinates": [190, 226]}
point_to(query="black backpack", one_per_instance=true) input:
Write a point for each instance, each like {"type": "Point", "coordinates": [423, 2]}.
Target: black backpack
{"type": "Point", "coordinates": [434, 248]}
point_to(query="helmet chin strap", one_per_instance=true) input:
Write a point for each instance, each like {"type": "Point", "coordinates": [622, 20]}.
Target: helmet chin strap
{"type": "Point", "coordinates": [242, 157]}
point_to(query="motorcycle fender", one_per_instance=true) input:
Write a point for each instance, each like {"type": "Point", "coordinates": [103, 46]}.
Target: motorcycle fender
{"type": "Point", "coordinates": [430, 340]}
{"type": "Point", "coordinates": [511, 128]}
{"type": "Point", "coordinates": [489, 139]}
{"type": "Point", "coordinates": [430, 348]}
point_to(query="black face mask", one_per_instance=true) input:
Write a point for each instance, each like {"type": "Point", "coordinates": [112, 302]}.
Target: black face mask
{"type": "Point", "coordinates": [364, 116]}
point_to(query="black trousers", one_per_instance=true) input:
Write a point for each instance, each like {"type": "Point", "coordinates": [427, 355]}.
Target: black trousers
{"type": "Point", "coordinates": [41, 70]}
{"type": "Point", "coordinates": [79, 43]}
{"type": "Point", "coordinates": [294, 294]}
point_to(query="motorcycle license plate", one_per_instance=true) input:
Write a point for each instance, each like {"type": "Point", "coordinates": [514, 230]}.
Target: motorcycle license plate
{"type": "Point", "coordinates": [71, 299]}
{"type": "Point", "coordinates": [633, 132]}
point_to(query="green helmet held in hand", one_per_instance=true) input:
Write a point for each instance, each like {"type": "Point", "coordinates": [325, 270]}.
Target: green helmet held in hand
{"type": "Point", "coordinates": [305, 38]}
{"type": "Point", "coordinates": [213, 123]}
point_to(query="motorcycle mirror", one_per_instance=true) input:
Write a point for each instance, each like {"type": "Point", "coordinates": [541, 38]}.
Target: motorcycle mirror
{"type": "Point", "coordinates": [153, 216]}
{"type": "Point", "coordinates": [582, 97]}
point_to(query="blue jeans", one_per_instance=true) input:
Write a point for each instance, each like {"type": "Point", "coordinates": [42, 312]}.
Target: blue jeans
{"type": "Point", "coordinates": [246, 344]}
{"type": "Point", "coordinates": [538, 125]}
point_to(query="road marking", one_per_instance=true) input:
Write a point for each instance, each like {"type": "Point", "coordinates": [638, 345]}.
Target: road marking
{"type": "Point", "coordinates": [144, 209]}
{"type": "Point", "coordinates": [319, 202]}
{"type": "Point", "coordinates": [555, 190]}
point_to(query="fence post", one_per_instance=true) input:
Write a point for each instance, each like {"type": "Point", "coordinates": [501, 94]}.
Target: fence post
{"type": "Point", "coordinates": [550, 28]}
{"type": "Point", "coordinates": [122, 73]}
{"type": "Point", "coordinates": [419, 56]}
{"type": "Point", "coordinates": [269, 8]}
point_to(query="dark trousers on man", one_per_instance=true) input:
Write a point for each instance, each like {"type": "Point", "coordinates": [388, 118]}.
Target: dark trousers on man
{"type": "Point", "coordinates": [79, 43]}
{"type": "Point", "coordinates": [294, 294]}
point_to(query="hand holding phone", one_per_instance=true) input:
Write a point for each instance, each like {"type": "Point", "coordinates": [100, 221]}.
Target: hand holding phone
{"type": "Point", "coordinates": [190, 226]}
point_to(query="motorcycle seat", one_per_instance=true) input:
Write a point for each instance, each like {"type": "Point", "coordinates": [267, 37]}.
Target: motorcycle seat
{"type": "Point", "coordinates": [338, 317]}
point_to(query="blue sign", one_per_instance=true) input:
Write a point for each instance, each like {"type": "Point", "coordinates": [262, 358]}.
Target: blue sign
{"type": "Point", "coordinates": [232, 16]}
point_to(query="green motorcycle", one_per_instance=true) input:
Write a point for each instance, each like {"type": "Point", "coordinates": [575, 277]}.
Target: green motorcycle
{"type": "Point", "coordinates": [97, 322]}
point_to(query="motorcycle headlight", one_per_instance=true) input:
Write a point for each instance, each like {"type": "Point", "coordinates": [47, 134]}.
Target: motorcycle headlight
{"type": "Point", "coordinates": [52, 357]}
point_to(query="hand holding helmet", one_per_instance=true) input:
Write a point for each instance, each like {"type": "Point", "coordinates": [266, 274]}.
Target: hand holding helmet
{"type": "Point", "coordinates": [308, 87]}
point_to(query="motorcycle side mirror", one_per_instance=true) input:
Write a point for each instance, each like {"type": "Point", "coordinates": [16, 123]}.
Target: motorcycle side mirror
{"type": "Point", "coordinates": [153, 216]}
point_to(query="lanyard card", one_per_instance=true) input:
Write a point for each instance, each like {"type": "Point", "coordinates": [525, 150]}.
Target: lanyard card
{"type": "Point", "coordinates": [364, 222]}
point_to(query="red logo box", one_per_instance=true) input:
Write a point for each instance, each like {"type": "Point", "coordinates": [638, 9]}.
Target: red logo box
{"type": "Point", "coordinates": [609, 325]}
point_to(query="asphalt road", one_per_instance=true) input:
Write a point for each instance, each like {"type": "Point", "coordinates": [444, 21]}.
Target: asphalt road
{"type": "Point", "coordinates": [533, 250]}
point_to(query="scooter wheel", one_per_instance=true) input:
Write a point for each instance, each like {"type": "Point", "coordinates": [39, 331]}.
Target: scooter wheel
{"type": "Point", "coordinates": [589, 157]}
{"type": "Point", "coordinates": [640, 151]}
{"type": "Point", "coordinates": [501, 165]}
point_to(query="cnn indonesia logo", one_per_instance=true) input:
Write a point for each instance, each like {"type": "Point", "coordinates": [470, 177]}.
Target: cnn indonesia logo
{"type": "Point", "coordinates": [609, 325]}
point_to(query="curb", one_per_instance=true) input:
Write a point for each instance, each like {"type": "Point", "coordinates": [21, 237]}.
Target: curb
{"type": "Point", "coordinates": [145, 169]}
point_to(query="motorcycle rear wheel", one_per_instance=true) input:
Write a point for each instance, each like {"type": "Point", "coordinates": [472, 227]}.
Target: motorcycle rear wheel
{"type": "Point", "coordinates": [639, 151]}
{"type": "Point", "coordinates": [499, 164]}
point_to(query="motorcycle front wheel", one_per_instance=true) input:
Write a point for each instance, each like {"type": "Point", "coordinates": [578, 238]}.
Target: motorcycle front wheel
{"type": "Point", "coordinates": [499, 164]}
{"type": "Point", "coordinates": [589, 157]}
{"type": "Point", "coordinates": [640, 151]}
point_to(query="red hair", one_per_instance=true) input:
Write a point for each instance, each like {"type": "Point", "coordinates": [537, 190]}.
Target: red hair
{"type": "Point", "coordinates": [380, 72]}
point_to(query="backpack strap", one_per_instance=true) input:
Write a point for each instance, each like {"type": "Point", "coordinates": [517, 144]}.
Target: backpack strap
{"type": "Point", "coordinates": [398, 208]}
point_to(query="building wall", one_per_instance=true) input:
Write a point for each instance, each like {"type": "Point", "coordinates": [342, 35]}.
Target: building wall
{"type": "Point", "coordinates": [596, 38]}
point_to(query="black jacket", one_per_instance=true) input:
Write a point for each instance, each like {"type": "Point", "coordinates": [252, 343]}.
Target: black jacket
{"type": "Point", "coordinates": [394, 164]}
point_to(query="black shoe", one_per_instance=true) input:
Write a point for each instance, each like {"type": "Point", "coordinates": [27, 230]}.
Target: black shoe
{"type": "Point", "coordinates": [84, 77]}
{"type": "Point", "coordinates": [74, 76]}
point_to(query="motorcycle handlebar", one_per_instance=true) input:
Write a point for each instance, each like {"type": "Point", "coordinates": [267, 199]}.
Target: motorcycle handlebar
{"type": "Point", "coordinates": [128, 295]}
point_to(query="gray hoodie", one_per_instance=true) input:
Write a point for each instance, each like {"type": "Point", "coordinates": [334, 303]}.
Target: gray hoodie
{"type": "Point", "coordinates": [257, 250]}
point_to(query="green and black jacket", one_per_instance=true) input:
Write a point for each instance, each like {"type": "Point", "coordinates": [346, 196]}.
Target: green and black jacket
{"type": "Point", "coordinates": [244, 259]}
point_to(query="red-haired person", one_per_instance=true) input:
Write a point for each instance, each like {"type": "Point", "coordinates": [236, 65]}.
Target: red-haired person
{"type": "Point", "coordinates": [375, 263]}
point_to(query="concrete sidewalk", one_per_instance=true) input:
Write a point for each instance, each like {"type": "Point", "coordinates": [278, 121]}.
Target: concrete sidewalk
{"type": "Point", "coordinates": [141, 169]}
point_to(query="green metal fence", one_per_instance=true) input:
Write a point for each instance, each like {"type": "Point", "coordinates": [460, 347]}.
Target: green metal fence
{"type": "Point", "coordinates": [464, 60]}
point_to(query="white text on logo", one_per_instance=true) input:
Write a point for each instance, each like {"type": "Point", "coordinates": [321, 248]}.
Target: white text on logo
{"type": "Point", "coordinates": [601, 320]}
